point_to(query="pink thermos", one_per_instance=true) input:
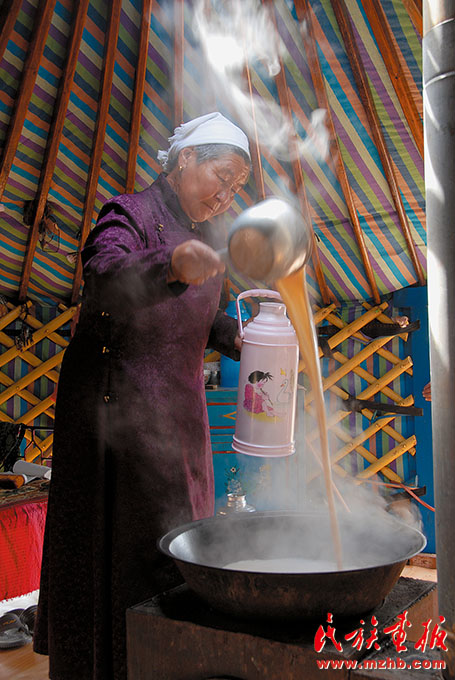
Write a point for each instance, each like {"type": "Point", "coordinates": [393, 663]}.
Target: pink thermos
{"type": "Point", "coordinates": [267, 392]}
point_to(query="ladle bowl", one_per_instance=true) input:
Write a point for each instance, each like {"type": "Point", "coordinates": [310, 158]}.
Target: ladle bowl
{"type": "Point", "coordinates": [202, 549]}
{"type": "Point", "coordinates": [269, 240]}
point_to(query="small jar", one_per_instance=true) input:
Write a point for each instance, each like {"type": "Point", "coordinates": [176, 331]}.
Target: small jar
{"type": "Point", "coordinates": [235, 503]}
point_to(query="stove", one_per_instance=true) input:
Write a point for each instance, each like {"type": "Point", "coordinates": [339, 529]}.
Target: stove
{"type": "Point", "coordinates": [176, 636]}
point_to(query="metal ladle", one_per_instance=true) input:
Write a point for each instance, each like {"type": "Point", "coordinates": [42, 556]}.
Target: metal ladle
{"type": "Point", "coordinates": [269, 240]}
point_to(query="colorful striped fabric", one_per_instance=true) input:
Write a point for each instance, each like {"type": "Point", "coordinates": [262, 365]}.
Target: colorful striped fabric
{"type": "Point", "coordinates": [53, 265]}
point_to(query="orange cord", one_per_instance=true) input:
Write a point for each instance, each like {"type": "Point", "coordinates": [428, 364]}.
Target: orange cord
{"type": "Point", "coordinates": [405, 488]}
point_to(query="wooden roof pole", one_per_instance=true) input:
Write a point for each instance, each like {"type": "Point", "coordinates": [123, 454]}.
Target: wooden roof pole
{"type": "Point", "coordinates": [303, 12]}
{"type": "Point", "coordinates": [366, 97]}
{"type": "Point", "coordinates": [179, 59]}
{"type": "Point", "coordinates": [384, 37]}
{"type": "Point", "coordinates": [283, 95]}
{"type": "Point", "coordinates": [53, 141]}
{"type": "Point", "coordinates": [139, 85]}
{"type": "Point", "coordinates": [255, 148]}
{"type": "Point", "coordinates": [8, 15]}
{"type": "Point", "coordinates": [98, 143]}
{"type": "Point", "coordinates": [44, 14]}
{"type": "Point", "coordinates": [414, 9]}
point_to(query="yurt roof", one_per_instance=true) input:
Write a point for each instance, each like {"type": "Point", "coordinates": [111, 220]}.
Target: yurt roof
{"type": "Point", "coordinates": [90, 90]}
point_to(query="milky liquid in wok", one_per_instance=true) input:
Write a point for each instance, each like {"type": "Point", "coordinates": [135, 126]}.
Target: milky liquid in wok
{"type": "Point", "coordinates": [284, 565]}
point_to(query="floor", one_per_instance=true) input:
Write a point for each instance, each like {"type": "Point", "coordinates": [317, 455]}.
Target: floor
{"type": "Point", "coordinates": [24, 664]}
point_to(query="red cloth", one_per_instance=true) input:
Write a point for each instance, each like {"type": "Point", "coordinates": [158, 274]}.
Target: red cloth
{"type": "Point", "coordinates": [21, 547]}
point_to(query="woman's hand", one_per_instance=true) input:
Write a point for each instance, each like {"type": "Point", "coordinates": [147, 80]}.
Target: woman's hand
{"type": "Point", "coordinates": [402, 321]}
{"type": "Point", "coordinates": [426, 392]}
{"type": "Point", "coordinates": [194, 262]}
{"type": "Point", "coordinates": [238, 342]}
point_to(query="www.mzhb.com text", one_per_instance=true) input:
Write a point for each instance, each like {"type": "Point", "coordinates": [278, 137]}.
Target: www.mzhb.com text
{"type": "Point", "coordinates": [380, 664]}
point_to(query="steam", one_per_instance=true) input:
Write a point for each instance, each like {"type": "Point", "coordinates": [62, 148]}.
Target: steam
{"type": "Point", "coordinates": [240, 42]}
{"type": "Point", "coordinates": [281, 542]}
{"type": "Point", "coordinates": [295, 484]}
{"type": "Point", "coordinates": [238, 35]}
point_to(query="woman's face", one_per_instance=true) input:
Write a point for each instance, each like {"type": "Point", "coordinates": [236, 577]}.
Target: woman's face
{"type": "Point", "coordinates": [208, 189]}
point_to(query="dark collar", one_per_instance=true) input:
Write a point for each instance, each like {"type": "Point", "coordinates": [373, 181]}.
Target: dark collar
{"type": "Point", "coordinates": [172, 202]}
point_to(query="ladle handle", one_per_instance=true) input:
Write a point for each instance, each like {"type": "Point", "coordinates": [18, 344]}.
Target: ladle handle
{"type": "Point", "coordinates": [254, 292]}
{"type": "Point", "coordinates": [223, 254]}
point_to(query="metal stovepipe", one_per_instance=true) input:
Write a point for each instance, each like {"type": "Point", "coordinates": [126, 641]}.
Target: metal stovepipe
{"type": "Point", "coordinates": [439, 126]}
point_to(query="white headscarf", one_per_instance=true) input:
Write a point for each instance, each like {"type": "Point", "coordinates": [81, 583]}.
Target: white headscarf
{"type": "Point", "coordinates": [213, 128]}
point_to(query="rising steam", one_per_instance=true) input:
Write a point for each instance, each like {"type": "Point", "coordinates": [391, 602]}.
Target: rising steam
{"type": "Point", "coordinates": [238, 35]}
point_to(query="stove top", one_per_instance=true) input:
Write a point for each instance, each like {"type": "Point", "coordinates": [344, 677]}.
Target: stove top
{"type": "Point", "coordinates": [176, 636]}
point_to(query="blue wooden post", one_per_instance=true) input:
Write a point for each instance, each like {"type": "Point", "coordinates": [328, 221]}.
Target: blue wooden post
{"type": "Point", "coordinates": [414, 303]}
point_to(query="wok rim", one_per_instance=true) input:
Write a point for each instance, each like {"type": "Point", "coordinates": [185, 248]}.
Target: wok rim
{"type": "Point", "coordinates": [164, 542]}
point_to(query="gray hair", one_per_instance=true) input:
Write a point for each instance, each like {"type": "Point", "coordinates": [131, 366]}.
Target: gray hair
{"type": "Point", "coordinates": [205, 152]}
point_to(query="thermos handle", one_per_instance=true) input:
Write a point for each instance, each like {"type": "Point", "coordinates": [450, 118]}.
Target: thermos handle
{"type": "Point", "coordinates": [255, 292]}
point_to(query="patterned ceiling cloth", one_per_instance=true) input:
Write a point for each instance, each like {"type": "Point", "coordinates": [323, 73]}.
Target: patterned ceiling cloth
{"type": "Point", "coordinates": [53, 266]}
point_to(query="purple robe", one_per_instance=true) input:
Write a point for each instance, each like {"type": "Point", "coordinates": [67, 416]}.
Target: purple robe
{"type": "Point", "coordinates": [132, 456]}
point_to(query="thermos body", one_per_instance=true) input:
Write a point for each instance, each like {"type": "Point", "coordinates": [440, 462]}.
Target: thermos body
{"type": "Point", "coordinates": [267, 390]}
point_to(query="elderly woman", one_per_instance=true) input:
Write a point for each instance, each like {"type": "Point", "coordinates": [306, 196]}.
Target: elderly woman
{"type": "Point", "coordinates": [132, 456]}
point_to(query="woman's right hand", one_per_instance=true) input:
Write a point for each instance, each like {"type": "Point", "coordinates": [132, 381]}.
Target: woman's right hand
{"type": "Point", "coordinates": [194, 262]}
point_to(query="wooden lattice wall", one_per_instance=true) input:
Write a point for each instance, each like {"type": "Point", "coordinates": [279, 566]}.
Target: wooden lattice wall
{"type": "Point", "coordinates": [30, 370]}
{"type": "Point", "coordinates": [366, 443]}
{"type": "Point", "coordinates": [31, 354]}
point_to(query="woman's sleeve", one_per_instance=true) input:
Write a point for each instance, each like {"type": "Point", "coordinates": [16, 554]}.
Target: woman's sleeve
{"type": "Point", "coordinates": [222, 335]}
{"type": "Point", "coordinates": [120, 266]}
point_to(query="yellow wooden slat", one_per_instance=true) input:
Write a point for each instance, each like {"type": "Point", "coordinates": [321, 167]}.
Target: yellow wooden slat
{"type": "Point", "coordinates": [370, 391]}
{"type": "Point", "coordinates": [384, 353]}
{"type": "Point", "coordinates": [27, 356]}
{"type": "Point", "coordinates": [32, 454]}
{"type": "Point", "coordinates": [354, 444]}
{"type": "Point", "coordinates": [25, 395]}
{"type": "Point", "coordinates": [321, 314]}
{"type": "Point", "coordinates": [31, 377]}
{"type": "Point", "coordinates": [37, 410]}
{"type": "Point", "coordinates": [349, 329]}
{"type": "Point", "coordinates": [38, 335]}
{"type": "Point", "coordinates": [388, 457]}
{"type": "Point", "coordinates": [350, 364]}
{"type": "Point", "coordinates": [370, 431]}
{"type": "Point", "coordinates": [401, 367]}
{"type": "Point", "coordinates": [355, 326]}
{"type": "Point", "coordinates": [361, 450]}
{"type": "Point", "coordinates": [366, 454]}
{"type": "Point", "coordinates": [36, 324]}
{"type": "Point", "coordinates": [12, 315]}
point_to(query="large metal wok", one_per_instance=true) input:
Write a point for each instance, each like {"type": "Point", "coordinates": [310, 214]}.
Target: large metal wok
{"type": "Point", "coordinates": [201, 549]}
